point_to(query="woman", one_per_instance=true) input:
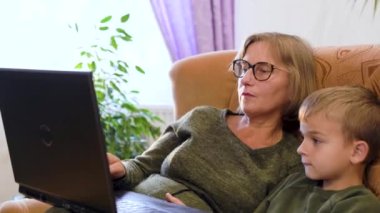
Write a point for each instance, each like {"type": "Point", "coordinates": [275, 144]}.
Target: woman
{"type": "Point", "coordinates": [210, 154]}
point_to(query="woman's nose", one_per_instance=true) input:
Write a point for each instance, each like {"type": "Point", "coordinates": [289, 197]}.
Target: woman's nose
{"type": "Point", "coordinates": [248, 76]}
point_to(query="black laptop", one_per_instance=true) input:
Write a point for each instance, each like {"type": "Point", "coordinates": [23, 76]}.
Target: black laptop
{"type": "Point", "coordinates": [56, 143]}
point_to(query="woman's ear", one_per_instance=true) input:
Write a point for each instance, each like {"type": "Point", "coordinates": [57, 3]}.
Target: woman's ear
{"type": "Point", "coordinates": [360, 151]}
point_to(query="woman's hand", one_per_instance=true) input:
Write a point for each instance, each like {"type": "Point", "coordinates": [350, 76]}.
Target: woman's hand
{"type": "Point", "coordinates": [170, 198]}
{"type": "Point", "coordinates": [117, 169]}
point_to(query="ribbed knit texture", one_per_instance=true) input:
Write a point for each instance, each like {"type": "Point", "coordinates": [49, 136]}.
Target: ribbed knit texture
{"type": "Point", "coordinates": [199, 152]}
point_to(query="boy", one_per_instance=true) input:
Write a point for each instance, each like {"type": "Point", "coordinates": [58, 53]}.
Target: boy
{"type": "Point", "coordinates": [341, 129]}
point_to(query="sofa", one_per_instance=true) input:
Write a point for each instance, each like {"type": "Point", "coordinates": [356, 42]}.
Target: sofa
{"type": "Point", "coordinates": [205, 79]}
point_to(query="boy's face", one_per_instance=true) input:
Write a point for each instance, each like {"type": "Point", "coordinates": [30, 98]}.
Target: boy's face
{"type": "Point", "coordinates": [325, 152]}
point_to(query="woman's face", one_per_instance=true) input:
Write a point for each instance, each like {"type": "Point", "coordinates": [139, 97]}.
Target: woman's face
{"type": "Point", "coordinates": [258, 98]}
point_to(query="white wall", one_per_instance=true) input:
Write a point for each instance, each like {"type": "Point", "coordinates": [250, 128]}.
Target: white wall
{"type": "Point", "coordinates": [321, 22]}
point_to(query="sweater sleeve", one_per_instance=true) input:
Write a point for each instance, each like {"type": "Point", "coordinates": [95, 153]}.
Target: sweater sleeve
{"type": "Point", "coordinates": [149, 161]}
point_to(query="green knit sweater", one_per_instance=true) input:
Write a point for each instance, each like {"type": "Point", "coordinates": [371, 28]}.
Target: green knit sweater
{"type": "Point", "coordinates": [298, 194]}
{"type": "Point", "coordinates": [200, 153]}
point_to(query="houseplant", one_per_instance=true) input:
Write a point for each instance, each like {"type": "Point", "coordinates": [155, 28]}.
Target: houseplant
{"type": "Point", "coordinates": [375, 4]}
{"type": "Point", "coordinates": [126, 126]}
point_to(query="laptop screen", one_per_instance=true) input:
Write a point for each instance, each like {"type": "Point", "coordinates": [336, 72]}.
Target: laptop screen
{"type": "Point", "coordinates": [55, 140]}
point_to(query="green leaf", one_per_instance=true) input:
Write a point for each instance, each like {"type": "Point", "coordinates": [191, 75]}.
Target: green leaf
{"type": "Point", "coordinates": [85, 53]}
{"type": "Point", "coordinates": [100, 96]}
{"type": "Point", "coordinates": [106, 19]}
{"type": "Point", "coordinates": [113, 42]}
{"type": "Point", "coordinates": [126, 38]}
{"type": "Point", "coordinates": [79, 66]}
{"type": "Point", "coordinates": [103, 28]}
{"type": "Point", "coordinates": [140, 69]}
{"type": "Point", "coordinates": [114, 86]}
{"type": "Point", "coordinates": [375, 6]}
{"type": "Point", "coordinates": [124, 18]}
{"type": "Point", "coordinates": [120, 30]}
{"type": "Point", "coordinates": [106, 50]}
{"type": "Point", "coordinates": [112, 64]}
{"type": "Point", "coordinates": [123, 63]}
{"type": "Point", "coordinates": [124, 80]}
{"type": "Point", "coordinates": [122, 68]}
{"type": "Point", "coordinates": [121, 76]}
{"type": "Point", "coordinates": [124, 35]}
{"type": "Point", "coordinates": [129, 106]}
{"type": "Point", "coordinates": [91, 66]}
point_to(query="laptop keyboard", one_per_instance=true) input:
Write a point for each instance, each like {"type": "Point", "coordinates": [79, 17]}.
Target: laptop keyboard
{"type": "Point", "coordinates": [136, 207]}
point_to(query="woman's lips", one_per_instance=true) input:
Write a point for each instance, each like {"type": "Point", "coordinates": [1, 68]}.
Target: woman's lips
{"type": "Point", "coordinates": [247, 94]}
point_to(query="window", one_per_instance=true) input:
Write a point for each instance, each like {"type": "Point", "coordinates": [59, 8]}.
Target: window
{"type": "Point", "coordinates": [35, 34]}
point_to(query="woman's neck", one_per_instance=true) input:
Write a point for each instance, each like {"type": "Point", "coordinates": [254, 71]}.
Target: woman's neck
{"type": "Point", "coordinates": [257, 133]}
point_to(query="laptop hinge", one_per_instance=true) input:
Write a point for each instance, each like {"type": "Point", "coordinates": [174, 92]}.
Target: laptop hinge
{"type": "Point", "coordinates": [57, 202]}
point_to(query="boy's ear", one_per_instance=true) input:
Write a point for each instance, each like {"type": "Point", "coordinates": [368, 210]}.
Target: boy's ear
{"type": "Point", "coordinates": [360, 151]}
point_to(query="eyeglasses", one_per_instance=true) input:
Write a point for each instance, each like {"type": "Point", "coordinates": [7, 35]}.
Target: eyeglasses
{"type": "Point", "coordinates": [261, 70]}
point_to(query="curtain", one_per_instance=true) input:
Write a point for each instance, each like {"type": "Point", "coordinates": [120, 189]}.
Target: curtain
{"type": "Point", "coordinates": [191, 27]}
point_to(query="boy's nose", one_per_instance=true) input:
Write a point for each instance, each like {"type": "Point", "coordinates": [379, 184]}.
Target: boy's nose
{"type": "Point", "coordinates": [300, 149]}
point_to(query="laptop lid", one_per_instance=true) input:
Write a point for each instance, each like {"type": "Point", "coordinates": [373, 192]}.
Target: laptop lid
{"type": "Point", "coordinates": [51, 123]}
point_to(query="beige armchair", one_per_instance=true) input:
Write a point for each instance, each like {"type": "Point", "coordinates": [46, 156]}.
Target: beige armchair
{"type": "Point", "coordinates": [205, 80]}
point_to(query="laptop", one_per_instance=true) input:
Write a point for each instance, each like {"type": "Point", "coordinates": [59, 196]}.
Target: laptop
{"type": "Point", "coordinates": [56, 143]}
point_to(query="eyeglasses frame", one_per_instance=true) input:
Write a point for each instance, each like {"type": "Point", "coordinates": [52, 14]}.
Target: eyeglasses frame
{"type": "Point", "coordinates": [252, 66]}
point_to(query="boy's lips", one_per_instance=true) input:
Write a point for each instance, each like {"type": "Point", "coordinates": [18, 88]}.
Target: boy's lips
{"type": "Point", "coordinates": [306, 163]}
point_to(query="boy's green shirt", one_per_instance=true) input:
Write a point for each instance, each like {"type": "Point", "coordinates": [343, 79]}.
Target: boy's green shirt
{"type": "Point", "coordinates": [298, 194]}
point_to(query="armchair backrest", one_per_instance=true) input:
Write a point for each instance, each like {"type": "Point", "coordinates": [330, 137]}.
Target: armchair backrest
{"type": "Point", "coordinates": [205, 80]}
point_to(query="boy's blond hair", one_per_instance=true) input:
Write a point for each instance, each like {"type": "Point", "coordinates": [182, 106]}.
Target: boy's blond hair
{"type": "Point", "coordinates": [355, 107]}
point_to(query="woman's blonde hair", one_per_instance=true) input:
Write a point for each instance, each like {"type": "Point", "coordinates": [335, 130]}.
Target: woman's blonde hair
{"type": "Point", "coordinates": [355, 107]}
{"type": "Point", "coordinates": [297, 56]}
